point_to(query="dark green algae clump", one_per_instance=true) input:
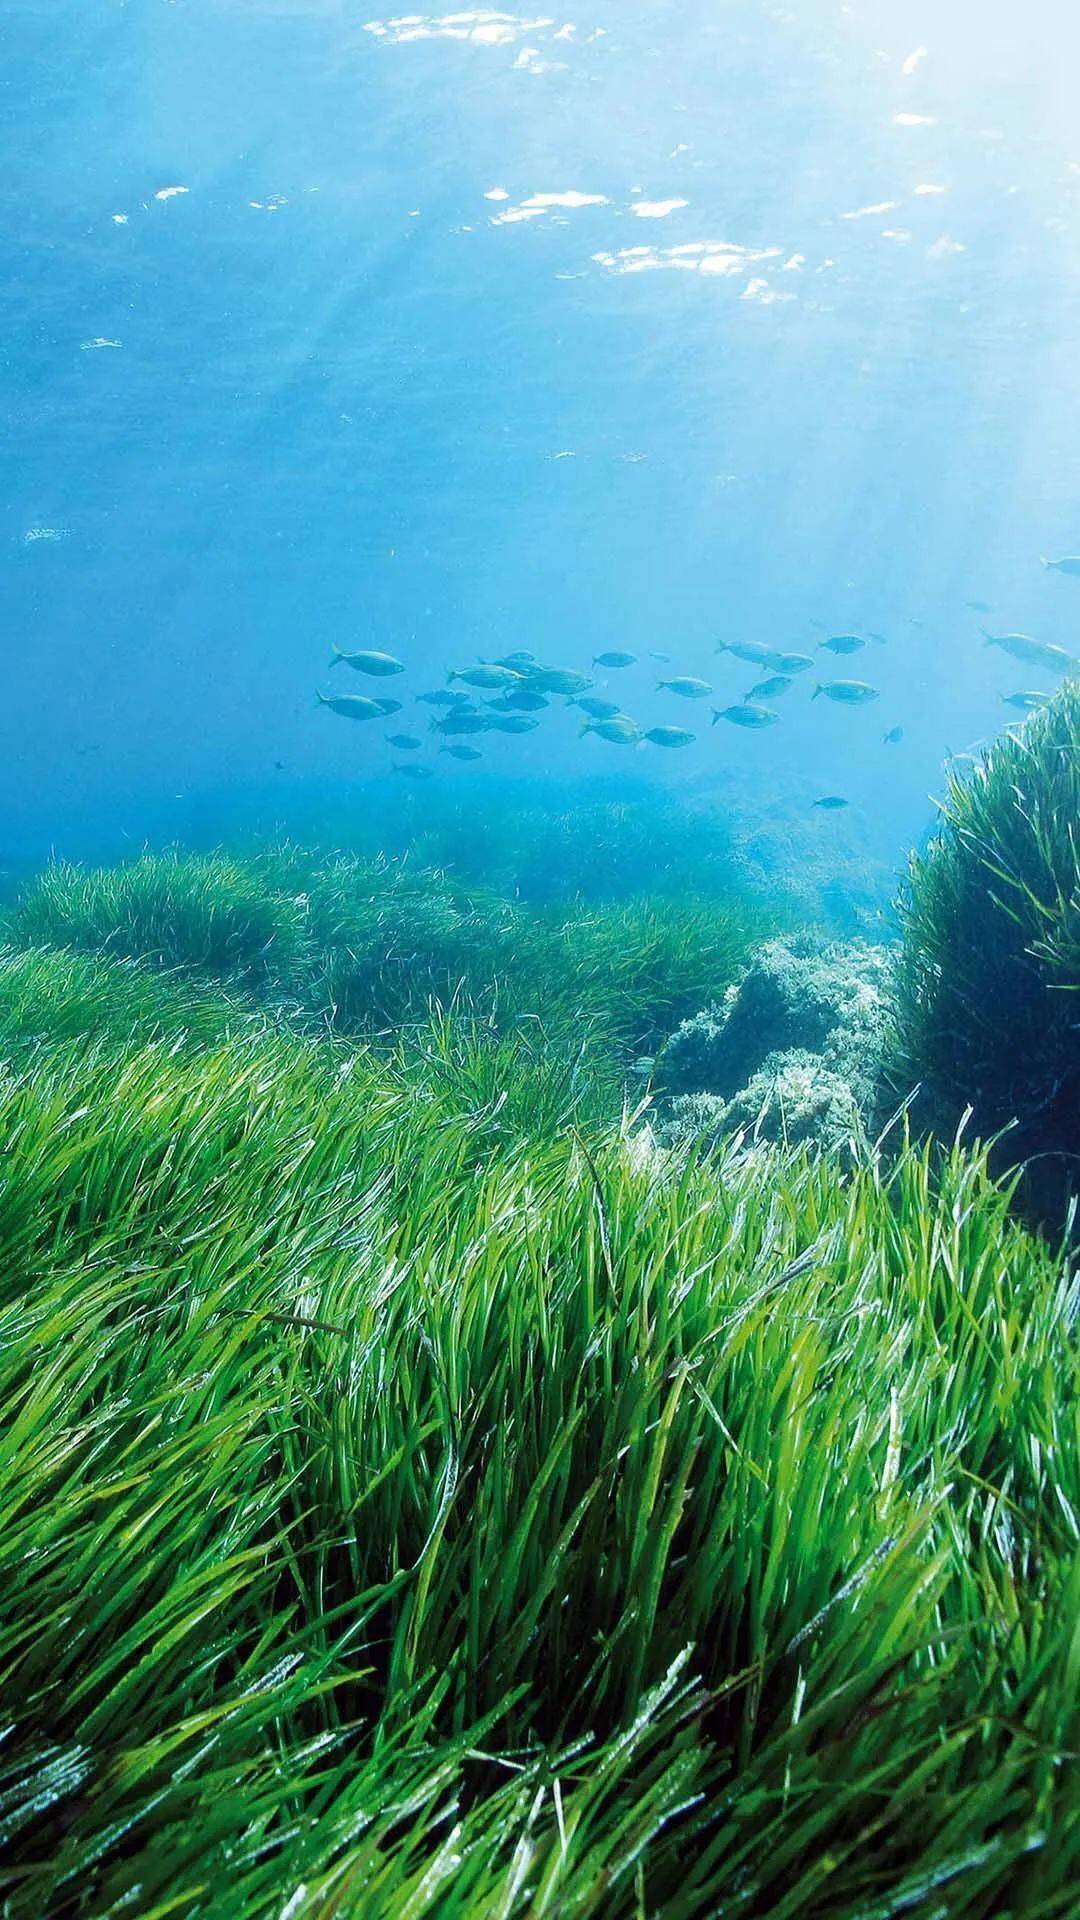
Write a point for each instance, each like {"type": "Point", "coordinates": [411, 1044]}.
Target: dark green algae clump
{"type": "Point", "coordinates": [989, 982]}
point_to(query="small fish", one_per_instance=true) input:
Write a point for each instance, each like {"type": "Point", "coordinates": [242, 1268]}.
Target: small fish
{"type": "Point", "coordinates": [1034, 653]}
{"type": "Point", "coordinates": [515, 661]}
{"type": "Point", "coordinates": [758, 656]}
{"type": "Point", "coordinates": [831, 802]}
{"type": "Point", "coordinates": [352, 706]}
{"type": "Point", "coordinates": [405, 742]}
{"type": "Point", "coordinates": [614, 659]}
{"type": "Point", "coordinates": [462, 752]}
{"type": "Point", "coordinates": [894, 734]}
{"type": "Point", "coordinates": [444, 698]}
{"type": "Point", "coordinates": [670, 737]}
{"type": "Point", "coordinates": [747, 715]}
{"type": "Point", "coordinates": [787, 662]}
{"type": "Point", "coordinates": [518, 700]}
{"type": "Point", "coordinates": [878, 638]}
{"type": "Point", "coordinates": [850, 693]}
{"type": "Point", "coordinates": [1070, 564]}
{"type": "Point", "coordinates": [843, 643]}
{"type": "Point", "coordinates": [388, 707]}
{"type": "Point", "coordinates": [979, 606]}
{"type": "Point", "coordinates": [686, 687]}
{"type": "Point", "coordinates": [460, 720]}
{"type": "Point", "coordinates": [768, 689]}
{"type": "Point", "coordinates": [368, 661]}
{"type": "Point", "coordinates": [415, 773]}
{"type": "Point", "coordinates": [1025, 702]}
{"type": "Point", "coordinates": [558, 680]}
{"type": "Point", "coordinates": [620, 730]}
{"type": "Point", "coordinates": [491, 676]}
{"type": "Point", "coordinates": [664, 658]}
{"type": "Point", "coordinates": [510, 722]}
{"type": "Point", "coordinates": [596, 709]}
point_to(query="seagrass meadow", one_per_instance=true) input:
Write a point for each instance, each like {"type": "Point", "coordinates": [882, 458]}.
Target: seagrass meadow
{"type": "Point", "coordinates": [425, 1496]}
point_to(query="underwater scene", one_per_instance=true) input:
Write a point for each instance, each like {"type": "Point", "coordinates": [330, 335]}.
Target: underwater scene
{"type": "Point", "coordinates": [540, 962]}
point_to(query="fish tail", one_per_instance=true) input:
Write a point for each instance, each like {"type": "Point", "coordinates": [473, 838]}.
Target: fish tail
{"type": "Point", "coordinates": [721, 647]}
{"type": "Point", "coordinates": [338, 656]}
{"type": "Point", "coordinates": [988, 637]}
{"type": "Point", "coordinates": [587, 728]}
{"type": "Point", "coordinates": [321, 699]}
{"type": "Point", "coordinates": [817, 689]}
{"type": "Point", "coordinates": [1044, 562]}
{"type": "Point", "coordinates": [715, 715]}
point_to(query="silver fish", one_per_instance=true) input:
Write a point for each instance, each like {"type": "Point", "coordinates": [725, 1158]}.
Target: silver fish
{"type": "Point", "coordinates": [557, 680]}
{"type": "Point", "coordinates": [1025, 702]}
{"type": "Point", "coordinates": [614, 659]}
{"type": "Point", "coordinates": [621, 730]}
{"type": "Point", "coordinates": [518, 700]}
{"type": "Point", "coordinates": [444, 698]}
{"type": "Point", "coordinates": [670, 737]}
{"type": "Point", "coordinates": [1034, 653]}
{"type": "Point", "coordinates": [368, 661]}
{"type": "Point", "coordinates": [831, 802]}
{"type": "Point", "coordinates": [747, 715]}
{"type": "Point", "coordinates": [510, 723]}
{"type": "Point", "coordinates": [850, 693]}
{"type": "Point", "coordinates": [787, 662]}
{"type": "Point", "coordinates": [462, 752]}
{"type": "Point", "coordinates": [843, 643]}
{"type": "Point", "coordinates": [596, 709]}
{"type": "Point", "coordinates": [757, 655]}
{"type": "Point", "coordinates": [491, 676]}
{"type": "Point", "coordinates": [1070, 564]}
{"type": "Point", "coordinates": [460, 720]}
{"type": "Point", "coordinates": [352, 706]}
{"type": "Point", "coordinates": [686, 687]}
{"type": "Point", "coordinates": [768, 689]}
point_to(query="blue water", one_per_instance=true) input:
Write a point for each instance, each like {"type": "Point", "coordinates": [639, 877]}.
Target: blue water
{"type": "Point", "coordinates": [294, 356]}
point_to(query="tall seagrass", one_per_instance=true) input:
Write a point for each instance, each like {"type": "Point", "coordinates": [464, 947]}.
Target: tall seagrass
{"type": "Point", "coordinates": [989, 1015]}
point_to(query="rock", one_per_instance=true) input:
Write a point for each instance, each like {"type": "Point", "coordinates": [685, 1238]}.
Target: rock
{"type": "Point", "coordinates": [791, 1054]}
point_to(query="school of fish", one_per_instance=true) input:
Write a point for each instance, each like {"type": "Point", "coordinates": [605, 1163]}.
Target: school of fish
{"type": "Point", "coordinates": [510, 693]}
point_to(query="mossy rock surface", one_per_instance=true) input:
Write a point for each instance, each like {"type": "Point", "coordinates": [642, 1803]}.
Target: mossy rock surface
{"type": "Point", "coordinates": [792, 1053]}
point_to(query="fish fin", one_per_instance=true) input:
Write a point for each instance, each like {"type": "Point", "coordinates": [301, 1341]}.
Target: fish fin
{"type": "Point", "coordinates": [988, 637]}
{"type": "Point", "coordinates": [715, 715]}
{"type": "Point", "coordinates": [817, 689]}
{"type": "Point", "coordinates": [1044, 562]}
{"type": "Point", "coordinates": [587, 728]}
{"type": "Point", "coordinates": [722, 647]}
{"type": "Point", "coordinates": [321, 699]}
{"type": "Point", "coordinates": [452, 676]}
{"type": "Point", "coordinates": [338, 656]}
